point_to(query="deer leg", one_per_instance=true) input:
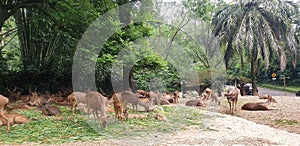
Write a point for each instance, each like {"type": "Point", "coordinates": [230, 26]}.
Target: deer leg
{"type": "Point", "coordinates": [7, 120]}
{"type": "Point", "coordinates": [235, 102]}
{"type": "Point", "coordinates": [103, 117]}
{"type": "Point", "coordinates": [229, 105]}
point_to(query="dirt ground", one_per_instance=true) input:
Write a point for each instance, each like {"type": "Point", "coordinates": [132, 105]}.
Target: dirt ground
{"type": "Point", "coordinates": [284, 115]}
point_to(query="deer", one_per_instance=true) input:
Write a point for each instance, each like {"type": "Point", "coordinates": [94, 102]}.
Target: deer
{"type": "Point", "coordinates": [119, 107]}
{"type": "Point", "coordinates": [34, 99]}
{"type": "Point", "coordinates": [12, 94]}
{"type": "Point", "coordinates": [258, 105]}
{"type": "Point", "coordinates": [3, 103]}
{"type": "Point", "coordinates": [50, 110]}
{"type": "Point", "coordinates": [14, 119]}
{"type": "Point", "coordinates": [130, 97]}
{"type": "Point", "coordinates": [267, 96]}
{"type": "Point", "coordinates": [176, 96]}
{"type": "Point", "coordinates": [210, 95]}
{"type": "Point", "coordinates": [232, 98]}
{"type": "Point", "coordinates": [194, 102]}
{"type": "Point", "coordinates": [97, 102]}
{"type": "Point", "coordinates": [75, 98]}
{"type": "Point", "coordinates": [154, 98]}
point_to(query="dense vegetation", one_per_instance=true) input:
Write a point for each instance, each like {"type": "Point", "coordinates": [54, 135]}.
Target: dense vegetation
{"type": "Point", "coordinates": [39, 39]}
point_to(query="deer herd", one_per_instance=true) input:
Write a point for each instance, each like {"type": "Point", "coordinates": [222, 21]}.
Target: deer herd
{"type": "Point", "coordinates": [92, 102]}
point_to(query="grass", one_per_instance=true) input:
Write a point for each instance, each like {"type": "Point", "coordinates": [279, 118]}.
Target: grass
{"type": "Point", "coordinates": [292, 89]}
{"type": "Point", "coordinates": [286, 122]}
{"type": "Point", "coordinates": [72, 128]}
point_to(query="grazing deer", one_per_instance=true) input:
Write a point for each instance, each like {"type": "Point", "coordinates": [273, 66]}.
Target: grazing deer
{"type": "Point", "coordinates": [232, 98]}
{"type": "Point", "coordinates": [130, 97]}
{"type": "Point", "coordinates": [118, 106]}
{"type": "Point", "coordinates": [14, 119]}
{"type": "Point", "coordinates": [258, 105]}
{"type": "Point", "coordinates": [97, 101]}
{"type": "Point", "coordinates": [194, 102]}
{"type": "Point", "coordinates": [75, 98]}
{"type": "Point", "coordinates": [3, 103]}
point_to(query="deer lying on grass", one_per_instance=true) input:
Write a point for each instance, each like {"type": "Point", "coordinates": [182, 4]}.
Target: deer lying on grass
{"type": "Point", "coordinates": [258, 105]}
{"type": "Point", "coordinates": [75, 98]}
{"type": "Point", "coordinates": [130, 97]}
{"type": "Point", "coordinates": [194, 102]}
{"type": "Point", "coordinates": [50, 110]}
{"type": "Point", "coordinates": [3, 104]}
{"type": "Point", "coordinates": [232, 98]}
{"type": "Point", "coordinates": [97, 102]}
{"type": "Point", "coordinates": [12, 94]}
{"type": "Point", "coordinates": [119, 107]}
{"type": "Point", "coordinates": [14, 119]}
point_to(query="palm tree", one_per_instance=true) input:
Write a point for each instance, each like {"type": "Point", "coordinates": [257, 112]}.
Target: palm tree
{"type": "Point", "coordinates": [257, 29]}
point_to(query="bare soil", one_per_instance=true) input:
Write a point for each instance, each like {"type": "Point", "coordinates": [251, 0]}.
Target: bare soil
{"type": "Point", "coordinates": [284, 115]}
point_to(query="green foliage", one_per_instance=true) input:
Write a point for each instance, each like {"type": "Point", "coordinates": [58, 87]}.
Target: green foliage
{"type": "Point", "coordinates": [280, 87]}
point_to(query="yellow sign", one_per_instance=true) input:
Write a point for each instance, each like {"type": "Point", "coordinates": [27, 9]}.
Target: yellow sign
{"type": "Point", "coordinates": [273, 75]}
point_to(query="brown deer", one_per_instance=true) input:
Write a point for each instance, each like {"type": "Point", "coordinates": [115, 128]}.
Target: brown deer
{"type": "Point", "coordinates": [118, 107]}
{"type": "Point", "coordinates": [154, 98]}
{"type": "Point", "coordinates": [266, 96]}
{"type": "Point", "coordinates": [12, 94]}
{"type": "Point", "coordinates": [3, 103]}
{"type": "Point", "coordinates": [232, 98]}
{"type": "Point", "coordinates": [258, 105]}
{"type": "Point", "coordinates": [14, 119]}
{"type": "Point", "coordinates": [130, 97]}
{"type": "Point", "coordinates": [75, 98]}
{"type": "Point", "coordinates": [176, 96]}
{"type": "Point", "coordinates": [50, 110]}
{"type": "Point", "coordinates": [194, 102]}
{"type": "Point", "coordinates": [212, 96]}
{"type": "Point", "coordinates": [96, 102]}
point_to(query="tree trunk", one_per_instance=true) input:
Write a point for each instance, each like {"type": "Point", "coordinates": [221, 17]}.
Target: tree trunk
{"type": "Point", "coordinates": [253, 76]}
{"type": "Point", "coordinates": [3, 17]}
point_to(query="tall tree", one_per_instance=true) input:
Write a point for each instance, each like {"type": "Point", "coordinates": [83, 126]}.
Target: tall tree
{"type": "Point", "coordinates": [10, 7]}
{"type": "Point", "coordinates": [258, 29]}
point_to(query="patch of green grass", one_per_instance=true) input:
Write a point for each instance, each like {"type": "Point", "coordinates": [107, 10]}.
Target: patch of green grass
{"type": "Point", "coordinates": [286, 122]}
{"type": "Point", "coordinates": [292, 89]}
{"type": "Point", "coordinates": [71, 128]}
